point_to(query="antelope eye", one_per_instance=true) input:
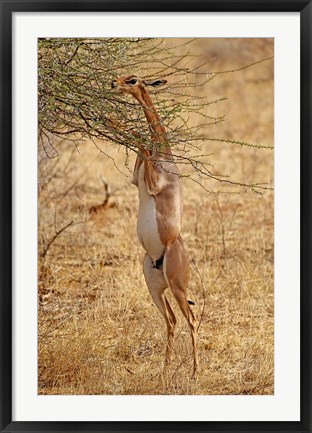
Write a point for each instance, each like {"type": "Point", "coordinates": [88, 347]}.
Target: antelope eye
{"type": "Point", "coordinates": [132, 81]}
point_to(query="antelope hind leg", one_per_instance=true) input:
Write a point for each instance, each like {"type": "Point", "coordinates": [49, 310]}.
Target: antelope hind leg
{"type": "Point", "coordinates": [176, 272]}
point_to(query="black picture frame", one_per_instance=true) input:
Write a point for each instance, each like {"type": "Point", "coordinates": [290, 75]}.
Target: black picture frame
{"type": "Point", "coordinates": [7, 9]}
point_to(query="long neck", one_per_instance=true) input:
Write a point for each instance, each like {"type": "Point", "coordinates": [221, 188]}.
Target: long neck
{"type": "Point", "coordinates": [158, 132]}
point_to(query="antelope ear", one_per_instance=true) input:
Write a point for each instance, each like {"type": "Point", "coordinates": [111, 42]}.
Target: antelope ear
{"type": "Point", "coordinates": [155, 83]}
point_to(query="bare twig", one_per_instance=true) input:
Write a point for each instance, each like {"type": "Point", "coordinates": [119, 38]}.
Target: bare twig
{"type": "Point", "coordinates": [54, 237]}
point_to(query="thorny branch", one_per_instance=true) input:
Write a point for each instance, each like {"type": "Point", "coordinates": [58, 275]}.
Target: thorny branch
{"type": "Point", "coordinates": [76, 102]}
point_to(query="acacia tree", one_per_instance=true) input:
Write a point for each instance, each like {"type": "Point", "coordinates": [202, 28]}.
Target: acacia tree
{"type": "Point", "coordinates": [76, 102]}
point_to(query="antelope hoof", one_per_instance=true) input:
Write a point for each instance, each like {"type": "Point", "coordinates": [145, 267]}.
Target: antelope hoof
{"type": "Point", "coordinates": [195, 372]}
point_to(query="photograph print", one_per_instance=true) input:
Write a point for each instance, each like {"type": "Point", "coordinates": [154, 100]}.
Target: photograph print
{"type": "Point", "coordinates": [155, 216]}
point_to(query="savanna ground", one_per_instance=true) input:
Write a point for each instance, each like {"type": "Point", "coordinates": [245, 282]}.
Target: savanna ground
{"type": "Point", "coordinates": [98, 329]}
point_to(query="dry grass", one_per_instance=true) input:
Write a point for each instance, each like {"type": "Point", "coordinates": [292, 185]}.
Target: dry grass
{"type": "Point", "coordinates": [99, 331]}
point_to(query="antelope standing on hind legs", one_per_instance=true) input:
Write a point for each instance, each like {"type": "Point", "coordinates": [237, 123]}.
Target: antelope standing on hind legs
{"type": "Point", "coordinates": [160, 212]}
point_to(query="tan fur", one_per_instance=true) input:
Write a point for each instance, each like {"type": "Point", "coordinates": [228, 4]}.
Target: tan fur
{"type": "Point", "coordinates": [163, 182]}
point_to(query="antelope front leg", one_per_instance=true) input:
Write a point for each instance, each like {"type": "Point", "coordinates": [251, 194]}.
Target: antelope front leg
{"type": "Point", "coordinates": [157, 284]}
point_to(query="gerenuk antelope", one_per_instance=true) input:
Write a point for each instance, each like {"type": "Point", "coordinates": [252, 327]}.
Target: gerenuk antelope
{"type": "Point", "coordinates": [160, 213]}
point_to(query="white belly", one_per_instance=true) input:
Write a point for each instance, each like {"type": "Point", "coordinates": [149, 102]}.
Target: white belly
{"type": "Point", "coordinates": [147, 229]}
